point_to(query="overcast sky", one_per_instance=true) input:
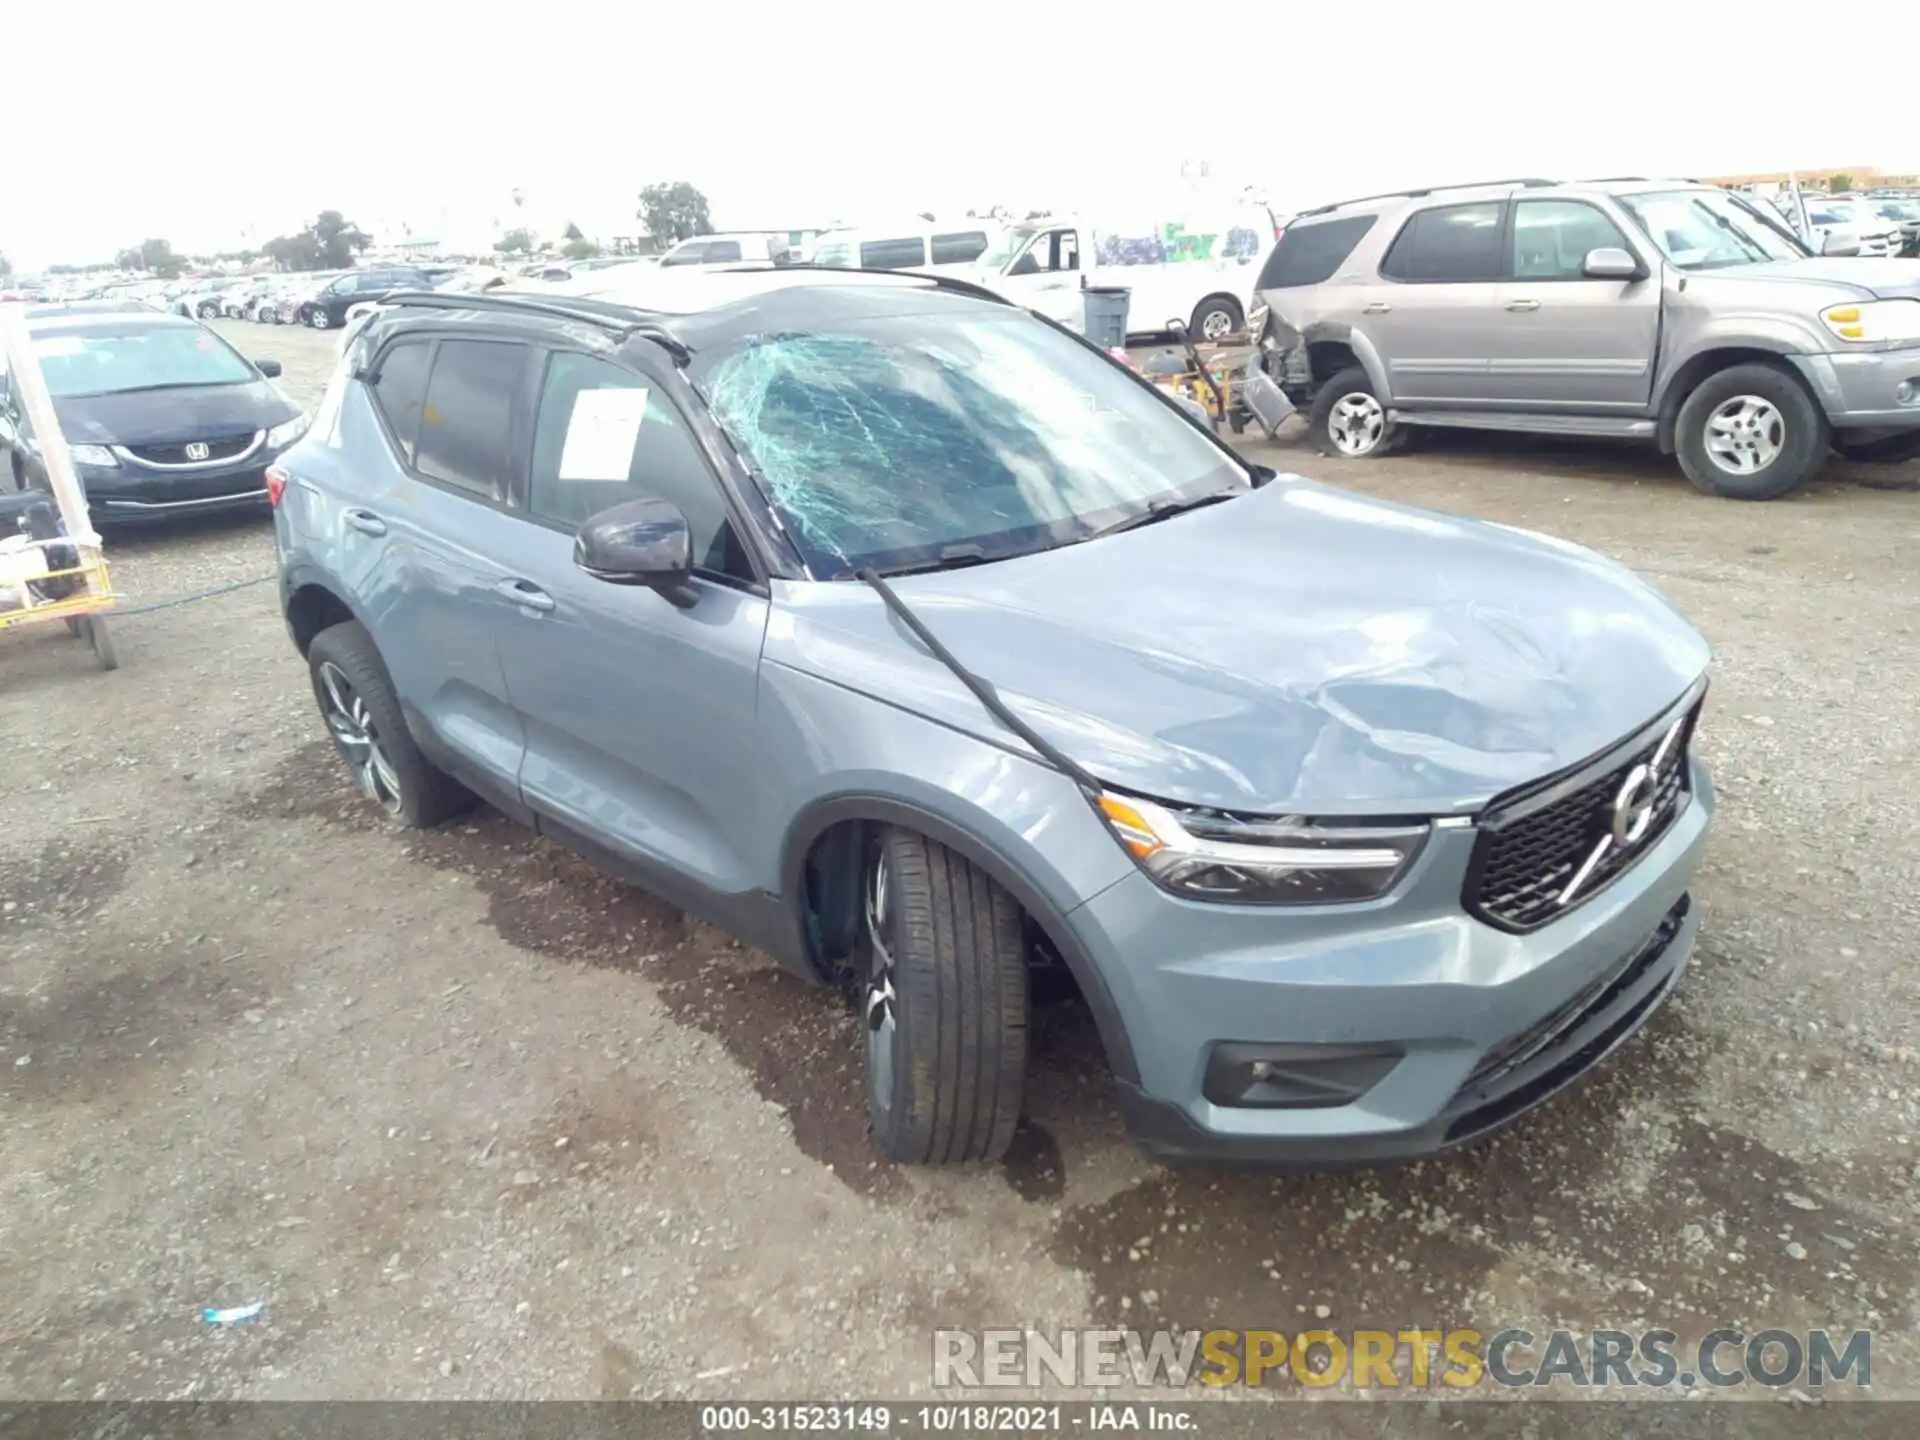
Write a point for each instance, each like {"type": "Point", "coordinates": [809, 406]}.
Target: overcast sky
{"type": "Point", "coordinates": [215, 122]}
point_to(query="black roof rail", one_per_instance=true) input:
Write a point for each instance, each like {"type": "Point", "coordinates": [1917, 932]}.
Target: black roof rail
{"type": "Point", "coordinates": [1529, 182]}
{"type": "Point", "coordinates": [621, 319]}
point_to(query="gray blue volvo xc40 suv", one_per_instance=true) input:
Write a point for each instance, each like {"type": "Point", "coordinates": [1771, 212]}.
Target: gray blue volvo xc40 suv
{"type": "Point", "coordinates": [915, 641]}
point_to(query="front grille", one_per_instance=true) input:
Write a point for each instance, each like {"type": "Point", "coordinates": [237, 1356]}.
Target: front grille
{"type": "Point", "coordinates": [219, 448]}
{"type": "Point", "coordinates": [1529, 853]}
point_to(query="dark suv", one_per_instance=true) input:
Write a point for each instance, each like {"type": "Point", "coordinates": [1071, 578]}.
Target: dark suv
{"type": "Point", "coordinates": [915, 640]}
{"type": "Point", "coordinates": [329, 308]}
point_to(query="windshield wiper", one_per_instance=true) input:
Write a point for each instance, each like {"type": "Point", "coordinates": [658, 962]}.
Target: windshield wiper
{"type": "Point", "coordinates": [949, 557]}
{"type": "Point", "coordinates": [1163, 509]}
{"type": "Point", "coordinates": [164, 385]}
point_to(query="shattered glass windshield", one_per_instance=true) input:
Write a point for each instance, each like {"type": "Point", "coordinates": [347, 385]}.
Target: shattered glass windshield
{"type": "Point", "coordinates": [906, 441]}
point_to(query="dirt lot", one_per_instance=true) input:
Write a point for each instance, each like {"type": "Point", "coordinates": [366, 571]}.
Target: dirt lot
{"type": "Point", "coordinates": [473, 1121]}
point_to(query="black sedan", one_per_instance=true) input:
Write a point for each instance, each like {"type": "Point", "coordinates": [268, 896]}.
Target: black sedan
{"type": "Point", "coordinates": [161, 415]}
{"type": "Point", "coordinates": [328, 309]}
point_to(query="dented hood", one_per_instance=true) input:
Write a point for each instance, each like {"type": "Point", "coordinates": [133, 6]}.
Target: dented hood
{"type": "Point", "coordinates": [1300, 649]}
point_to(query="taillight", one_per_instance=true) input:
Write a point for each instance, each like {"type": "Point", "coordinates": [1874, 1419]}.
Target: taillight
{"type": "Point", "coordinates": [276, 485]}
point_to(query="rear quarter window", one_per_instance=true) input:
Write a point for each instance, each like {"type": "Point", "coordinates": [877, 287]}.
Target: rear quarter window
{"type": "Point", "coordinates": [893, 254]}
{"type": "Point", "coordinates": [1309, 254]}
{"type": "Point", "coordinates": [401, 390]}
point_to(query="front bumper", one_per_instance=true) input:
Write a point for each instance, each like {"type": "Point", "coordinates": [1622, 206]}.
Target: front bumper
{"type": "Point", "coordinates": [126, 496]}
{"type": "Point", "coordinates": [1863, 391]}
{"type": "Point", "coordinates": [1413, 971]}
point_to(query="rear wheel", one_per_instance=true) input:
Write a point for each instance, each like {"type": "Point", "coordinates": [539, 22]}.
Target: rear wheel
{"type": "Point", "coordinates": [363, 717]}
{"type": "Point", "coordinates": [943, 1003]}
{"type": "Point", "coordinates": [1750, 432]}
{"type": "Point", "coordinates": [1349, 421]}
{"type": "Point", "coordinates": [1215, 318]}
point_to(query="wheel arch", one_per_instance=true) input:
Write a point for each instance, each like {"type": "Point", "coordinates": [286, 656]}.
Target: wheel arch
{"type": "Point", "coordinates": [1332, 348]}
{"type": "Point", "coordinates": [313, 604]}
{"type": "Point", "coordinates": [833, 823]}
{"type": "Point", "coordinates": [1688, 375]}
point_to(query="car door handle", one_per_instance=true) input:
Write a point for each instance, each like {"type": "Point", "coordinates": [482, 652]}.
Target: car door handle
{"type": "Point", "coordinates": [527, 595]}
{"type": "Point", "coordinates": [366, 522]}
{"type": "Point", "coordinates": [1523, 305]}
{"type": "Point", "coordinates": [1378, 307]}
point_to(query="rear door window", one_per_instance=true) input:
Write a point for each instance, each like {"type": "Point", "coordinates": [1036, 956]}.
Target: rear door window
{"type": "Point", "coordinates": [960, 247]}
{"type": "Point", "coordinates": [1448, 244]}
{"type": "Point", "coordinates": [723, 250]}
{"type": "Point", "coordinates": [466, 420]}
{"type": "Point", "coordinates": [402, 389]}
{"type": "Point", "coordinates": [1309, 254]}
{"type": "Point", "coordinates": [893, 254]}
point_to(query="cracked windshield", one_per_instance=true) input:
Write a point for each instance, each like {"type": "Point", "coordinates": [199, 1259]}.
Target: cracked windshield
{"type": "Point", "coordinates": [890, 443]}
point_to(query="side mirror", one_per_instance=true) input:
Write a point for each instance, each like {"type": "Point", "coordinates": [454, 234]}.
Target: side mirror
{"type": "Point", "coordinates": [268, 368]}
{"type": "Point", "coordinates": [639, 542]}
{"type": "Point", "coordinates": [1610, 262]}
{"type": "Point", "coordinates": [1840, 242]}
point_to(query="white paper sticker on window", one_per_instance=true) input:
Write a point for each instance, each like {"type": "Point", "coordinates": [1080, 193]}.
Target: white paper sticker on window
{"type": "Point", "coordinates": [601, 434]}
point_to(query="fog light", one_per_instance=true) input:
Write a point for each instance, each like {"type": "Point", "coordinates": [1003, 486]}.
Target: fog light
{"type": "Point", "coordinates": [1907, 392]}
{"type": "Point", "coordinates": [1295, 1077]}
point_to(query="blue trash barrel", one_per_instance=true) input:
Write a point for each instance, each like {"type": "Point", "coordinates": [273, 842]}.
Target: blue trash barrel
{"type": "Point", "coordinates": [1106, 315]}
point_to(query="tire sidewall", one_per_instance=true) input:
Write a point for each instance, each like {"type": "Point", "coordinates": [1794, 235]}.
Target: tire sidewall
{"type": "Point", "coordinates": [426, 795]}
{"type": "Point", "coordinates": [1352, 381]}
{"type": "Point", "coordinates": [1804, 448]}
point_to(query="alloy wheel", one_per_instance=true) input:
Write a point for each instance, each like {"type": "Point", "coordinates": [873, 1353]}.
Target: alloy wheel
{"type": "Point", "coordinates": [1745, 435]}
{"type": "Point", "coordinates": [880, 1005]}
{"type": "Point", "coordinates": [1216, 325]}
{"type": "Point", "coordinates": [353, 730]}
{"type": "Point", "coordinates": [1356, 424]}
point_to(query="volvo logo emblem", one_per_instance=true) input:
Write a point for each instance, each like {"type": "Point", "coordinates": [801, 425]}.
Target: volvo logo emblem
{"type": "Point", "coordinates": [1636, 806]}
{"type": "Point", "coordinates": [198, 450]}
{"type": "Point", "coordinates": [1633, 806]}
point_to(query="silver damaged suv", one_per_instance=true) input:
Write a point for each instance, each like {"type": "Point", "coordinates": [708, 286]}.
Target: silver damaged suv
{"type": "Point", "coordinates": [1662, 310]}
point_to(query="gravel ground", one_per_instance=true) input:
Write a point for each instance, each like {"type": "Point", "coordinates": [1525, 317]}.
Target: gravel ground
{"type": "Point", "coordinates": [473, 1121]}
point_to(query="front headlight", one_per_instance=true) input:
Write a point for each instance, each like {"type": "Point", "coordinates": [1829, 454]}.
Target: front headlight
{"type": "Point", "coordinates": [96, 455]}
{"type": "Point", "coordinates": [1874, 320]}
{"type": "Point", "coordinates": [1257, 320]}
{"type": "Point", "coordinates": [1272, 861]}
{"type": "Point", "coordinates": [287, 433]}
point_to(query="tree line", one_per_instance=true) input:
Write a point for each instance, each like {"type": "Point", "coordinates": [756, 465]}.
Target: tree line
{"type": "Point", "coordinates": [671, 211]}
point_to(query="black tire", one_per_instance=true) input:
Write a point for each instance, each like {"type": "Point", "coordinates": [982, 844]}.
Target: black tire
{"type": "Point", "coordinates": [943, 1004]}
{"type": "Point", "coordinates": [1226, 308]}
{"type": "Point", "coordinates": [1349, 384]}
{"type": "Point", "coordinates": [1887, 450]}
{"type": "Point", "coordinates": [319, 319]}
{"type": "Point", "coordinates": [406, 785]}
{"type": "Point", "coordinates": [1798, 435]}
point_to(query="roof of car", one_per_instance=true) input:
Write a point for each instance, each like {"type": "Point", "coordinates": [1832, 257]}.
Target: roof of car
{"type": "Point", "coordinates": [1499, 189]}
{"type": "Point", "coordinates": [48, 319]}
{"type": "Point", "coordinates": [714, 305]}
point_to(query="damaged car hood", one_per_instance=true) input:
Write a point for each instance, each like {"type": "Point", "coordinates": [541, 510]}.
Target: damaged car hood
{"type": "Point", "coordinates": [1299, 649]}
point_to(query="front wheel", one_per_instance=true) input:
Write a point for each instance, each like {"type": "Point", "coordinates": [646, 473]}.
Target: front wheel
{"type": "Point", "coordinates": [319, 318]}
{"type": "Point", "coordinates": [363, 717]}
{"type": "Point", "coordinates": [1348, 419]}
{"type": "Point", "coordinates": [943, 1003]}
{"type": "Point", "coordinates": [1750, 432]}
